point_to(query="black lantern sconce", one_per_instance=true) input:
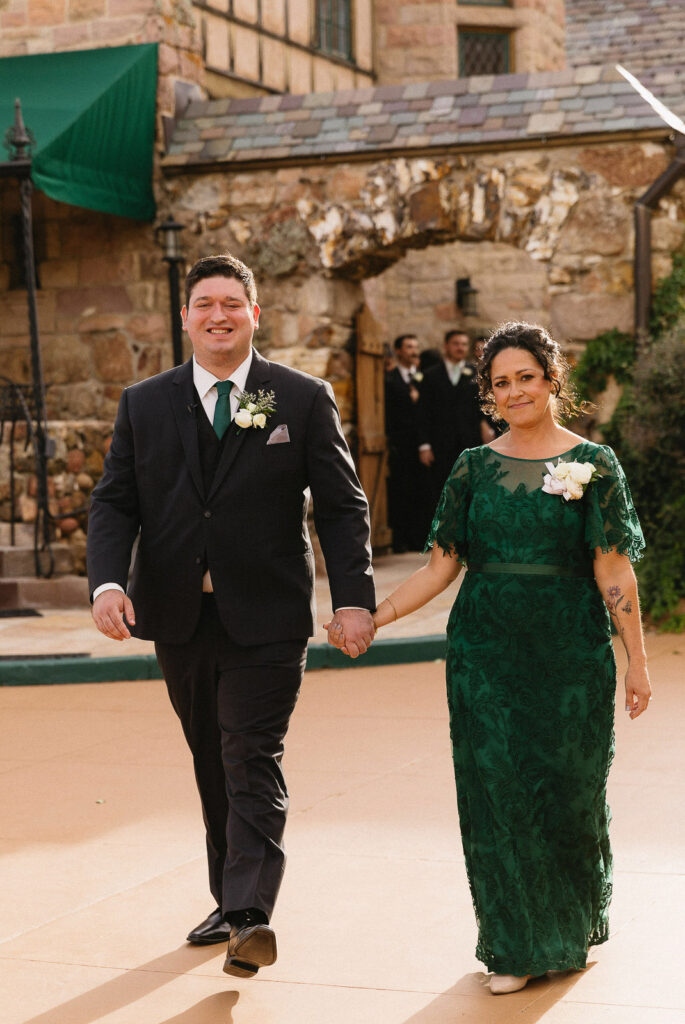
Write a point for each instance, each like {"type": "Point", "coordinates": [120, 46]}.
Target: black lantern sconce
{"type": "Point", "coordinates": [466, 297]}
{"type": "Point", "coordinates": [169, 238]}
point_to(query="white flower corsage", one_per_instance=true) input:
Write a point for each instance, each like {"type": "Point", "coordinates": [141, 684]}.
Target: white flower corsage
{"type": "Point", "coordinates": [253, 410]}
{"type": "Point", "coordinates": [569, 479]}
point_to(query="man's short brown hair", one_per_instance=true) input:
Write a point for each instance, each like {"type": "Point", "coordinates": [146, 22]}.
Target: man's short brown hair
{"type": "Point", "coordinates": [223, 265]}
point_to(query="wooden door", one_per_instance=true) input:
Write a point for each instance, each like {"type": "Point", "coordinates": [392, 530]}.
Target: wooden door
{"type": "Point", "coordinates": [373, 455]}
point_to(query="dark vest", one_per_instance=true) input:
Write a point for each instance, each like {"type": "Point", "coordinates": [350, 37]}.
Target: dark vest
{"type": "Point", "coordinates": [210, 445]}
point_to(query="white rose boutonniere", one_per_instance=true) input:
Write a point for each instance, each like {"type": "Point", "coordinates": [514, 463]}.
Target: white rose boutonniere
{"type": "Point", "coordinates": [467, 372]}
{"type": "Point", "coordinates": [418, 377]}
{"type": "Point", "coordinates": [569, 479]}
{"type": "Point", "coordinates": [254, 410]}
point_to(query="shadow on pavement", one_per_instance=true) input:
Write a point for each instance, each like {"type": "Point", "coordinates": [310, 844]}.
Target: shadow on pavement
{"type": "Point", "coordinates": [137, 983]}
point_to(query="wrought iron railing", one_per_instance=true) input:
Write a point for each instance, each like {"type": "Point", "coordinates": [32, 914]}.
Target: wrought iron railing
{"type": "Point", "coordinates": [18, 405]}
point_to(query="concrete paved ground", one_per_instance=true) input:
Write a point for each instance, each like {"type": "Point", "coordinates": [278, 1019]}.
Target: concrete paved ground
{"type": "Point", "coordinates": [103, 868]}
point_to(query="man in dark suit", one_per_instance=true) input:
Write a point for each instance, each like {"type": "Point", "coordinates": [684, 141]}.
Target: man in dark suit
{"type": "Point", "coordinates": [211, 463]}
{"type": "Point", "coordinates": [406, 475]}
{"type": "Point", "coordinates": [450, 418]}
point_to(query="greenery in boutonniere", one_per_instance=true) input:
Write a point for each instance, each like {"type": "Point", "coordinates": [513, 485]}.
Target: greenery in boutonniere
{"type": "Point", "coordinates": [253, 410]}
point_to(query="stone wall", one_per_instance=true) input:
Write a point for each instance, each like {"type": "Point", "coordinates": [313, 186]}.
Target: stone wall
{"type": "Point", "coordinates": [418, 41]}
{"type": "Point", "coordinates": [544, 234]}
{"type": "Point", "coordinates": [564, 214]}
{"type": "Point", "coordinates": [80, 448]}
{"type": "Point", "coordinates": [103, 307]}
{"type": "Point", "coordinates": [44, 26]}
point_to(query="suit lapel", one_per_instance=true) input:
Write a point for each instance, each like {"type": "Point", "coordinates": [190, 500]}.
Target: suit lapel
{"type": "Point", "coordinates": [185, 412]}
{"type": "Point", "coordinates": [257, 378]}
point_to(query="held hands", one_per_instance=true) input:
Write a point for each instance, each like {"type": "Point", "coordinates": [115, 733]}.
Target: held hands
{"type": "Point", "coordinates": [110, 608]}
{"type": "Point", "coordinates": [638, 690]}
{"type": "Point", "coordinates": [351, 630]}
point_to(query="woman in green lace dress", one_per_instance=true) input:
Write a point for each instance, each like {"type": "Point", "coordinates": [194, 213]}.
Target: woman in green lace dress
{"type": "Point", "coordinates": [544, 522]}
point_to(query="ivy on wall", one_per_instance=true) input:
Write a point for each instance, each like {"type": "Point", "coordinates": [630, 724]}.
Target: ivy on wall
{"type": "Point", "coordinates": [647, 430]}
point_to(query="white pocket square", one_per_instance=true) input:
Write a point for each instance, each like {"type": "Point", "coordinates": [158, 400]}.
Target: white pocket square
{"type": "Point", "coordinates": [280, 435]}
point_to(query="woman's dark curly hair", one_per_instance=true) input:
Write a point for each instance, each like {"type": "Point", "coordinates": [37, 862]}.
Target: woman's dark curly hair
{"type": "Point", "coordinates": [545, 350]}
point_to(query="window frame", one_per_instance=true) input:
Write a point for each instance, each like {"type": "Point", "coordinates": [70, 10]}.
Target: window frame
{"type": "Point", "coordinates": [337, 26]}
{"type": "Point", "coordinates": [506, 34]}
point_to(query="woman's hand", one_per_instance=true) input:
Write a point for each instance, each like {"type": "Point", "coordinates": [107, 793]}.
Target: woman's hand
{"type": "Point", "coordinates": [638, 690]}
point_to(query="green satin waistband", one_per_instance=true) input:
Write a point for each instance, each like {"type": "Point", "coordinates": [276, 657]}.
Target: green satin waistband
{"type": "Point", "coordinates": [530, 569]}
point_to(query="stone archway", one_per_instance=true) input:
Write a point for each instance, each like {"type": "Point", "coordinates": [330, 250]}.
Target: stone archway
{"type": "Point", "coordinates": [553, 223]}
{"type": "Point", "coordinates": [314, 233]}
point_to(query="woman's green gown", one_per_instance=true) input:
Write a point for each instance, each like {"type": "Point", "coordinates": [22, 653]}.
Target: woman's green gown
{"type": "Point", "coordinates": [531, 684]}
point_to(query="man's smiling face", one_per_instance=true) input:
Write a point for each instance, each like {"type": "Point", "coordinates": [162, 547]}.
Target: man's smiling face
{"type": "Point", "coordinates": [220, 322]}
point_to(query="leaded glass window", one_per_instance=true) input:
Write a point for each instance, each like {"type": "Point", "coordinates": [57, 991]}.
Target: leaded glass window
{"type": "Point", "coordinates": [482, 52]}
{"type": "Point", "coordinates": [333, 27]}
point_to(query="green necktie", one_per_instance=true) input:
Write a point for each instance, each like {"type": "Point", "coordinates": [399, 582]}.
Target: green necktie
{"type": "Point", "coordinates": [222, 411]}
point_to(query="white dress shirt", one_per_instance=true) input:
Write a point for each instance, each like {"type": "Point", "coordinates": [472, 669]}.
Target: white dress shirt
{"type": "Point", "coordinates": [454, 370]}
{"type": "Point", "coordinates": [407, 373]}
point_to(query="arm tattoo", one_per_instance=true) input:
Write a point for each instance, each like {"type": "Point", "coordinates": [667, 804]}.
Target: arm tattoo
{"type": "Point", "coordinates": [614, 600]}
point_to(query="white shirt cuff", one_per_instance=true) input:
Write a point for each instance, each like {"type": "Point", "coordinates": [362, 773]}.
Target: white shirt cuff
{"type": "Point", "coordinates": [107, 586]}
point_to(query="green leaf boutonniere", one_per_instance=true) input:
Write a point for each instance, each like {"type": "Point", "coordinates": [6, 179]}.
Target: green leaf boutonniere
{"type": "Point", "coordinates": [254, 410]}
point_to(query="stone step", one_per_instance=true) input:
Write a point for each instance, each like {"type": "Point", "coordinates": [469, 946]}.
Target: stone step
{"type": "Point", "coordinates": [57, 592]}
{"type": "Point", "coordinates": [23, 534]}
{"type": "Point", "coordinates": [20, 561]}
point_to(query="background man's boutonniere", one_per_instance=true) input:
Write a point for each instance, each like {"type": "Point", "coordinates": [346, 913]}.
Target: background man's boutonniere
{"type": "Point", "coordinates": [418, 377]}
{"type": "Point", "coordinates": [569, 479]}
{"type": "Point", "coordinates": [467, 372]}
{"type": "Point", "coordinates": [253, 410]}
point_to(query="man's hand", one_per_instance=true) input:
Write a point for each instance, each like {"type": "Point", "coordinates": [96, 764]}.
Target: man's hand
{"type": "Point", "coordinates": [426, 456]}
{"type": "Point", "coordinates": [109, 609]}
{"type": "Point", "coordinates": [351, 630]}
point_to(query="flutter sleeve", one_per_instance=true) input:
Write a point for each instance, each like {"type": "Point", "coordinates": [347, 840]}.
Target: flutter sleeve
{"type": "Point", "coordinates": [611, 519]}
{"type": "Point", "coordinates": [449, 528]}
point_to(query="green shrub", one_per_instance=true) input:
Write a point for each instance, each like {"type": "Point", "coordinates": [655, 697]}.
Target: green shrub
{"type": "Point", "coordinates": [610, 353]}
{"type": "Point", "coordinates": [647, 431]}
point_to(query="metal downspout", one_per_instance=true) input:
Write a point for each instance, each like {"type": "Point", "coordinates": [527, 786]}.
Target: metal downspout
{"type": "Point", "coordinates": [643, 236]}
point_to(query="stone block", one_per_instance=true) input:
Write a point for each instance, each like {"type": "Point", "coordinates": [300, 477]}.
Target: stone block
{"type": "Point", "coordinates": [427, 210]}
{"type": "Point", "coordinates": [65, 359]}
{"type": "Point", "coordinates": [86, 10]}
{"type": "Point", "coordinates": [85, 302]}
{"type": "Point", "coordinates": [76, 460]}
{"type": "Point", "coordinates": [58, 273]}
{"type": "Point", "coordinates": [667, 234]}
{"type": "Point", "coordinates": [108, 269]}
{"type": "Point", "coordinates": [117, 30]}
{"type": "Point", "coordinates": [112, 360]}
{"type": "Point", "coordinates": [596, 225]}
{"type": "Point", "coordinates": [581, 317]}
{"type": "Point", "coordinates": [149, 361]}
{"type": "Point", "coordinates": [153, 327]}
{"type": "Point", "coordinates": [72, 37]}
{"type": "Point", "coordinates": [46, 12]}
{"type": "Point", "coordinates": [121, 8]}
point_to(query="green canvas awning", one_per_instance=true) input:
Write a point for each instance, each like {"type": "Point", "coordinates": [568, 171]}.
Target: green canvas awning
{"type": "Point", "coordinates": [92, 113]}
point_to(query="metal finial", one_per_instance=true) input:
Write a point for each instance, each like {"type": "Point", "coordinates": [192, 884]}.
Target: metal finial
{"type": "Point", "coordinates": [19, 141]}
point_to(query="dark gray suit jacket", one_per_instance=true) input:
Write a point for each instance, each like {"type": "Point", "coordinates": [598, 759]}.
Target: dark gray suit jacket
{"type": "Point", "coordinates": [249, 528]}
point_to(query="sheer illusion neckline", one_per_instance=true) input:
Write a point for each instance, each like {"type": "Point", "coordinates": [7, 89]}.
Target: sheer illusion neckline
{"type": "Point", "coordinates": [546, 458]}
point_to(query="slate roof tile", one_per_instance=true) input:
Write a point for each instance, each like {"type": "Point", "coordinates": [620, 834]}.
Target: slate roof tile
{"type": "Point", "coordinates": [483, 109]}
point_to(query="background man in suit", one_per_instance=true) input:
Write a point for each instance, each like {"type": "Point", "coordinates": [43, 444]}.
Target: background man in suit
{"type": "Point", "coordinates": [450, 418]}
{"type": "Point", "coordinates": [223, 576]}
{"type": "Point", "coordinates": [407, 477]}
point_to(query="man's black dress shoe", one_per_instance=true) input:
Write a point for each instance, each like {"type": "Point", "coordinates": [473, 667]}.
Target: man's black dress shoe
{"type": "Point", "coordinates": [252, 944]}
{"type": "Point", "coordinates": [213, 929]}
